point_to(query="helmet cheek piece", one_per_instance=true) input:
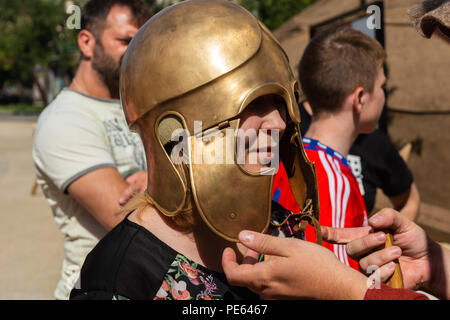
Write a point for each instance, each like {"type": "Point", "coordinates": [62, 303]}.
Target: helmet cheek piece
{"type": "Point", "coordinates": [302, 178]}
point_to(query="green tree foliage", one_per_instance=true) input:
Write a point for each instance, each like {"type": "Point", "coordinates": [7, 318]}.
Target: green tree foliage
{"type": "Point", "coordinates": [34, 33]}
{"type": "Point", "coordinates": [159, 5]}
{"type": "Point", "coordinates": [273, 13]}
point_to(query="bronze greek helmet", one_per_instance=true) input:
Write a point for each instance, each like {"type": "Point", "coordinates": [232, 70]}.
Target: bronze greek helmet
{"type": "Point", "coordinates": [207, 61]}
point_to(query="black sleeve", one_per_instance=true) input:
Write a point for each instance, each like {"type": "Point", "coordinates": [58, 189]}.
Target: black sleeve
{"type": "Point", "coordinates": [78, 294]}
{"type": "Point", "coordinates": [129, 262]}
{"type": "Point", "coordinates": [305, 119]}
{"type": "Point", "coordinates": [396, 178]}
{"type": "Point", "coordinates": [383, 166]}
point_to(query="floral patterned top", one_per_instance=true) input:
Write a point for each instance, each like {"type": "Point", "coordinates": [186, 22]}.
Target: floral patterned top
{"type": "Point", "coordinates": [132, 263]}
{"type": "Point", "coordinates": [186, 280]}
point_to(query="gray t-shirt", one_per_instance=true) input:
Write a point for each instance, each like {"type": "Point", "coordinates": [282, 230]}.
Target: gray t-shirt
{"type": "Point", "coordinates": [77, 134]}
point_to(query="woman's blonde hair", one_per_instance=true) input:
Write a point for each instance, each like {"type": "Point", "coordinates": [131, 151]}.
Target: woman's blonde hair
{"type": "Point", "coordinates": [186, 219]}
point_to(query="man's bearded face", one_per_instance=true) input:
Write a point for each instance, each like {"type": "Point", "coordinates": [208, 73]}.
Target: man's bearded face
{"type": "Point", "coordinates": [107, 67]}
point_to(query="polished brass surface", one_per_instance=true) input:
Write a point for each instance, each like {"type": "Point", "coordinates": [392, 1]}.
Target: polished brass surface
{"type": "Point", "coordinates": [184, 47]}
{"type": "Point", "coordinates": [206, 61]}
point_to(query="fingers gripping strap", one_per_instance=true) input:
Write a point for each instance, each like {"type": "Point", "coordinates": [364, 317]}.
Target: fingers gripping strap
{"type": "Point", "coordinates": [308, 217]}
{"type": "Point", "coordinates": [302, 219]}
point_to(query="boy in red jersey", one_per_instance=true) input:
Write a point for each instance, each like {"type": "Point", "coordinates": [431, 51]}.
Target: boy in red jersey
{"type": "Point", "coordinates": [341, 74]}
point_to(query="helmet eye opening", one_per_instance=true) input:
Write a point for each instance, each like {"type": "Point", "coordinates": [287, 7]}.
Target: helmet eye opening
{"type": "Point", "coordinates": [262, 105]}
{"type": "Point", "coordinates": [173, 137]}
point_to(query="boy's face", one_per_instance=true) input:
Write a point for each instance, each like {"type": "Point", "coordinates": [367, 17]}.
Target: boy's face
{"type": "Point", "coordinates": [373, 105]}
{"type": "Point", "coordinates": [266, 119]}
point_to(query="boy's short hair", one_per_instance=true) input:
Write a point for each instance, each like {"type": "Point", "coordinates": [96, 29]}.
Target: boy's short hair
{"type": "Point", "coordinates": [335, 63]}
{"type": "Point", "coordinates": [95, 12]}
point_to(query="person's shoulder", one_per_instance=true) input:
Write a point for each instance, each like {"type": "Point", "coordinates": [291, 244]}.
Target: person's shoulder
{"type": "Point", "coordinates": [377, 142]}
{"type": "Point", "coordinates": [101, 265]}
{"type": "Point", "coordinates": [130, 258]}
{"type": "Point", "coordinates": [68, 107]}
{"type": "Point", "coordinates": [309, 145]}
{"type": "Point", "coordinates": [69, 115]}
{"type": "Point", "coordinates": [111, 247]}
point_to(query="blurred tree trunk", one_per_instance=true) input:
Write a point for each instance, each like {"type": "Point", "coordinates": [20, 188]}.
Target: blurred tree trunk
{"type": "Point", "coordinates": [42, 91]}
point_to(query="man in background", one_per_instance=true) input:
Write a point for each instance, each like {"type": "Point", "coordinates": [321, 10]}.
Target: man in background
{"type": "Point", "coordinates": [84, 154]}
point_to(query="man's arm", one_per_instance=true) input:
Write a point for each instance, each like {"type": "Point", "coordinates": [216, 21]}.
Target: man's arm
{"type": "Point", "coordinates": [98, 192]}
{"type": "Point", "coordinates": [85, 167]}
{"type": "Point", "coordinates": [407, 203]}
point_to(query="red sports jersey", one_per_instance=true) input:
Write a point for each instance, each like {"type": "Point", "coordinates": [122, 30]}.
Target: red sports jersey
{"type": "Point", "coordinates": [341, 203]}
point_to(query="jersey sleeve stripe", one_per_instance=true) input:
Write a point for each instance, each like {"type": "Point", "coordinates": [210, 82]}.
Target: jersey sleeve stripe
{"type": "Point", "coordinates": [332, 192]}
{"type": "Point", "coordinates": [338, 175]}
{"type": "Point", "coordinates": [331, 185]}
{"type": "Point", "coordinates": [335, 167]}
{"type": "Point", "coordinates": [344, 209]}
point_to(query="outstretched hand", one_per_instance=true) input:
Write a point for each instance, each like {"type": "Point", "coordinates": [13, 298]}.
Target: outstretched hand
{"type": "Point", "coordinates": [295, 269]}
{"type": "Point", "coordinates": [421, 259]}
{"type": "Point", "coordinates": [300, 269]}
{"type": "Point", "coordinates": [412, 247]}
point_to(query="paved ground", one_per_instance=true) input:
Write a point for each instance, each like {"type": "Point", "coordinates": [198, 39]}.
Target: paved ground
{"type": "Point", "coordinates": [30, 242]}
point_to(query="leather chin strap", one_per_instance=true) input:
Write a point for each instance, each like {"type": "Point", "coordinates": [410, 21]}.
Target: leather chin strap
{"type": "Point", "coordinates": [305, 217]}
{"type": "Point", "coordinates": [301, 220]}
